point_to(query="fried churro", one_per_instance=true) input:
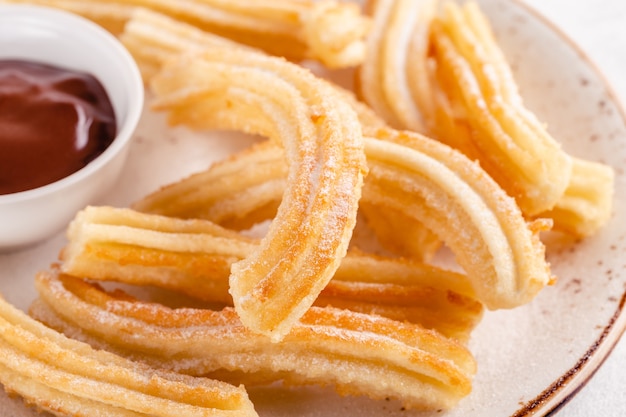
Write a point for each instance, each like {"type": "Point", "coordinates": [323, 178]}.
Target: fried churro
{"type": "Point", "coordinates": [448, 78]}
{"type": "Point", "coordinates": [69, 378]}
{"type": "Point", "coordinates": [193, 257]}
{"type": "Point", "coordinates": [477, 108]}
{"type": "Point", "coordinates": [394, 78]}
{"type": "Point", "coordinates": [357, 353]}
{"type": "Point", "coordinates": [328, 31]}
{"type": "Point", "coordinates": [587, 204]}
{"type": "Point", "coordinates": [321, 135]}
{"type": "Point", "coordinates": [410, 175]}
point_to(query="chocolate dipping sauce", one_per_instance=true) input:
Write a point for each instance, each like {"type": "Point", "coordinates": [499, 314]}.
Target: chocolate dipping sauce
{"type": "Point", "coordinates": [53, 122]}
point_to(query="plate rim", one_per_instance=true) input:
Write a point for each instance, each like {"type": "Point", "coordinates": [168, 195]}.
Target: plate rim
{"type": "Point", "coordinates": [566, 386]}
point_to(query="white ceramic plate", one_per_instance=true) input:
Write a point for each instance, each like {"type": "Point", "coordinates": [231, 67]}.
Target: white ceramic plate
{"type": "Point", "coordinates": [532, 359]}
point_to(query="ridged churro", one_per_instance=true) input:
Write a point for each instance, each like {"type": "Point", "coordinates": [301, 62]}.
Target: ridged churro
{"type": "Point", "coordinates": [394, 78]}
{"type": "Point", "coordinates": [587, 204]}
{"type": "Point", "coordinates": [437, 69]}
{"type": "Point", "coordinates": [452, 196]}
{"type": "Point", "coordinates": [69, 378]}
{"type": "Point", "coordinates": [410, 175]}
{"type": "Point", "coordinates": [511, 143]}
{"type": "Point", "coordinates": [328, 31]}
{"type": "Point", "coordinates": [193, 257]}
{"type": "Point", "coordinates": [152, 38]}
{"type": "Point", "coordinates": [247, 188]}
{"type": "Point", "coordinates": [321, 135]}
{"type": "Point", "coordinates": [470, 101]}
{"type": "Point", "coordinates": [357, 353]}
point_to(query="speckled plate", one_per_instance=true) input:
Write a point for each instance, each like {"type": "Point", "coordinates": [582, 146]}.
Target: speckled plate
{"type": "Point", "coordinates": [532, 359]}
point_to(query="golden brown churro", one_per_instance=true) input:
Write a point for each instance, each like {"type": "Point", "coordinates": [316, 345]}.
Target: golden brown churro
{"type": "Point", "coordinates": [501, 254]}
{"type": "Point", "coordinates": [394, 77]}
{"type": "Point", "coordinates": [473, 89]}
{"type": "Point", "coordinates": [587, 203]}
{"type": "Point", "coordinates": [69, 378]}
{"type": "Point", "coordinates": [153, 38]}
{"type": "Point", "coordinates": [233, 89]}
{"type": "Point", "coordinates": [329, 31]}
{"type": "Point", "coordinates": [447, 77]}
{"type": "Point", "coordinates": [358, 353]}
{"type": "Point", "coordinates": [194, 257]}
{"type": "Point", "coordinates": [418, 178]}
{"type": "Point", "coordinates": [512, 145]}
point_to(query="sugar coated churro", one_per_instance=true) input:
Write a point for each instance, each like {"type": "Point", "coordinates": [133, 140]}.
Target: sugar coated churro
{"type": "Point", "coordinates": [69, 378]}
{"type": "Point", "coordinates": [357, 353]}
{"type": "Point", "coordinates": [321, 135]}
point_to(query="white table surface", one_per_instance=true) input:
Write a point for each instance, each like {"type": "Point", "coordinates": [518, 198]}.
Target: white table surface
{"type": "Point", "coordinates": [599, 28]}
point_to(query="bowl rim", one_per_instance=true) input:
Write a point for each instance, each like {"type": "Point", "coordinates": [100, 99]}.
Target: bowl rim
{"type": "Point", "coordinates": [51, 17]}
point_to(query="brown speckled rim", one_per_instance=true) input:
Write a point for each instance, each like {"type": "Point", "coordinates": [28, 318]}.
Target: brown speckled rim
{"type": "Point", "coordinates": [565, 387]}
{"type": "Point", "coordinates": [558, 394]}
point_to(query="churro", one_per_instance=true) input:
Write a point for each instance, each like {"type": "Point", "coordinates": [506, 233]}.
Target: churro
{"type": "Point", "coordinates": [485, 229]}
{"type": "Point", "coordinates": [152, 38]}
{"type": "Point", "coordinates": [321, 135]}
{"type": "Point", "coordinates": [246, 189]}
{"type": "Point", "coordinates": [328, 31]}
{"type": "Point", "coordinates": [394, 77]}
{"type": "Point", "coordinates": [477, 107]}
{"type": "Point", "coordinates": [512, 145]}
{"type": "Point", "coordinates": [580, 197]}
{"type": "Point", "coordinates": [357, 353]}
{"type": "Point", "coordinates": [587, 204]}
{"type": "Point", "coordinates": [411, 175]}
{"type": "Point", "coordinates": [193, 257]}
{"type": "Point", "coordinates": [68, 378]}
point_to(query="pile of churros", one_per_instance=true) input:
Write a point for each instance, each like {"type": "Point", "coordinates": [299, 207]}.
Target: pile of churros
{"type": "Point", "coordinates": [352, 195]}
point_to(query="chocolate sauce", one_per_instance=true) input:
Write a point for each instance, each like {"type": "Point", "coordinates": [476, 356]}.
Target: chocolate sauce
{"type": "Point", "coordinates": [53, 122]}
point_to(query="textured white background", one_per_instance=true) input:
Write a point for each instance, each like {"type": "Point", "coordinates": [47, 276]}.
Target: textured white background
{"type": "Point", "coordinates": [599, 28]}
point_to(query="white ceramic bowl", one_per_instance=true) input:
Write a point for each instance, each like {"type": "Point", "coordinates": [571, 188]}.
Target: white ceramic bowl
{"type": "Point", "coordinates": [63, 39]}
